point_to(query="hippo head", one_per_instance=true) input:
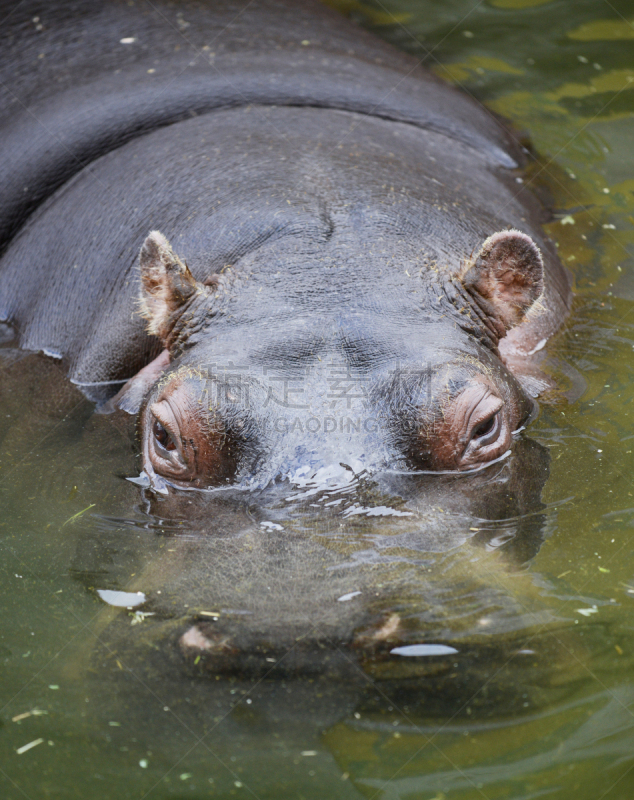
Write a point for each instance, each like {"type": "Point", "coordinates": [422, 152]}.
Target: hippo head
{"type": "Point", "coordinates": [253, 387]}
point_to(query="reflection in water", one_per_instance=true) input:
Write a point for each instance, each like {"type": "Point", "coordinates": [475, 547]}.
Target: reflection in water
{"type": "Point", "coordinates": [284, 557]}
{"type": "Point", "coordinates": [278, 625]}
{"type": "Point", "coordinates": [284, 585]}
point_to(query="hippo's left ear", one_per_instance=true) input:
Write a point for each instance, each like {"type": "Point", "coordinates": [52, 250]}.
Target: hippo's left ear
{"type": "Point", "coordinates": [166, 284]}
{"type": "Point", "coordinates": [506, 277]}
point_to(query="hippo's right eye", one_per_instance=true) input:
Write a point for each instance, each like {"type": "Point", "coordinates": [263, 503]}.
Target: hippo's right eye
{"type": "Point", "coordinates": [487, 430]}
{"type": "Point", "coordinates": [162, 436]}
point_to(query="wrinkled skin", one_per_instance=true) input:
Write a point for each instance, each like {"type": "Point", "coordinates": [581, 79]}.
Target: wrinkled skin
{"type": "Point", "coordinates": [368, 281]}
{"type": "Point", "coordinates": [425, 386]}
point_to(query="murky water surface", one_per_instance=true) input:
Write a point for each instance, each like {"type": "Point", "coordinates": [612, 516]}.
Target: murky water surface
{"type": "Point", "coordinates": [341, 637]}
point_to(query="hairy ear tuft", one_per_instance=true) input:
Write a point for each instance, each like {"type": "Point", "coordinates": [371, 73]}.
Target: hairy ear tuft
{"type": "Point", "coordinates": [166, 283]}
{"type": "Point", "coordinates": [507, 276]}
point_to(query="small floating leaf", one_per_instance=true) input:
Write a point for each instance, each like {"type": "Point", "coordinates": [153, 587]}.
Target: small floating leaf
{"type": "Point", "coordinates": [35, 712]}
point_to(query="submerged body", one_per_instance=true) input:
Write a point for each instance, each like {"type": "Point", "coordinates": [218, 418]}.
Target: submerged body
{"type": "Point", "coordinates": [355, 276]}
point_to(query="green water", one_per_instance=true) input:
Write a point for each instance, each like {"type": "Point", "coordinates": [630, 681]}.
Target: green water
{"type": "Point", "coordinates": [541, 699]}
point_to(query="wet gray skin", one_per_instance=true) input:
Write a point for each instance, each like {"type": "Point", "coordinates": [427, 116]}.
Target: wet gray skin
{"type": "Point", "coordinates": [339, 338]}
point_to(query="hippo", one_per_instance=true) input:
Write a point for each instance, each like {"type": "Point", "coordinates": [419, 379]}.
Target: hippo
{"type": "Point", "coordinates": [283, 244]}
{"type": "Point", "coordinates": [307, 281]}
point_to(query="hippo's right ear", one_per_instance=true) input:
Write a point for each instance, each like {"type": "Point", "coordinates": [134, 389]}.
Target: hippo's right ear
{"type": "Point", "coordinates": [506, 278]}
{"type": "Point", "coordinates": [166, 284]}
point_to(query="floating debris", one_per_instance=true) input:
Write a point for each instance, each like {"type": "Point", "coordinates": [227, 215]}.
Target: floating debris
{"type": "Point", "coordinates": [423, 650]}
{"type": "Point", "coordinates": [345, 597]}
{"type": "Point", "coordinates": [139, 616]}
{"type": "Point", "coordinates": [35, 712]}
{"type": "Point", "coordinates": [587, 611]}
{"type": "Point", "coordinates": [121, 599]}
{"type": "Point", "coordinates": [76, 516]}
{"type": "Point", "coordinates": [28, 746]}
